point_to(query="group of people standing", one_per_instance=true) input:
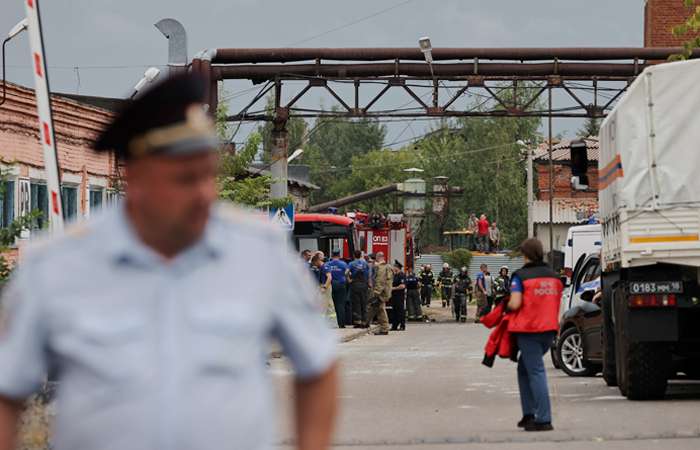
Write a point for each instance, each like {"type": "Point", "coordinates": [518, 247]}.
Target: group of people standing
{"type": "Point", "coordinates": [358, 292]}
{"type": "Point", "coordinates": [490, 291]}
{"type": "Point", "coordinates": [485, 236]}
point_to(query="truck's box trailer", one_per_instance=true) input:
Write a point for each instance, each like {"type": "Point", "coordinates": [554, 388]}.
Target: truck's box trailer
{"type": "Point", "coordinates": [649, 171]}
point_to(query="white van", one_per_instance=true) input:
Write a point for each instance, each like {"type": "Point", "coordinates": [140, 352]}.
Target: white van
{"type": "Point", "coordinates": [581, 240]}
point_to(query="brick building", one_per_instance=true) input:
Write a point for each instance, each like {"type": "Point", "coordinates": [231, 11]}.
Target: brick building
{"type": "Point", "coordinates": [660, 16]}
{"type": "Point", "coordinates": [571, 207]}
{"type": "Point", "coordinates": [88, 179]}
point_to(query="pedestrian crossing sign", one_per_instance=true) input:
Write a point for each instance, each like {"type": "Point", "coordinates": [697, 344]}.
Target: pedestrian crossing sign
{"type": "Point", "coordinates": [283, 217]}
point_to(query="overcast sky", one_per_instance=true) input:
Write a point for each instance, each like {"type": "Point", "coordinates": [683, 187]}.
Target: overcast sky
{"type": "Point", "coordinates": [111, 42]}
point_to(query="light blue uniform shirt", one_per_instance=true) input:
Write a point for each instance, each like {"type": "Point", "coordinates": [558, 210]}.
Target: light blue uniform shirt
{"type": "Point", "coordinates": [152, 354]}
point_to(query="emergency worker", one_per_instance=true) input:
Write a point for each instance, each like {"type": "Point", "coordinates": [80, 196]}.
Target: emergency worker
{"type": "Point", "coordinates": [534, 299]}
{"type": "Point", "coordinates": [462, 286]}
{"type": "Point", "coordinates": [359, 289]}
{"type": "Point", "coordinates": [398, 298]}
{"type": "Point", "coordinates": [501, 286]}
{"type": "Point", "coordinates": [134, 311]}
{"type": "Point", "coordinates": [445, 279]}
{"type": "Point", "coordinates": [339, 288]}
{"type": "Point", "coordinates": [381, 294]}
{"type": "Point", "coordinates": [427, 283]}
{"type": "Point", "coordinates": [415, 311]}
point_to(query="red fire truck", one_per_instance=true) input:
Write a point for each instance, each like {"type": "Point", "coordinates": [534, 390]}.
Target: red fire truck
{"type": "Point", "coordinates": [370, 233]}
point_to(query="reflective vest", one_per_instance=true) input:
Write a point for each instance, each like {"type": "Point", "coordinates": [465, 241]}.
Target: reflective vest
{"type": "Point", "coordinates": [542, 291]}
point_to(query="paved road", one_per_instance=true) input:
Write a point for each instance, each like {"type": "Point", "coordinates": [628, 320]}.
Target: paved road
{"type": "Point", "coordinates": [425, 388]}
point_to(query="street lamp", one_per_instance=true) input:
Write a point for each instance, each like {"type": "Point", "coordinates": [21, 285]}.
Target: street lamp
{"type": "Point", "coordinates": [297, 153]}
{"type": "Point", "coordinates": [427, 48]}
{"type": "Point", "coordinates": [148, 77]}
{"type": "Point", "coordinates": [17, 29]}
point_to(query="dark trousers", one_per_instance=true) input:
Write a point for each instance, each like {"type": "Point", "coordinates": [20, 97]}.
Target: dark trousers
{"type": "Point", "coordinates": [413, 304]}
{"type": "Point", "coordinates": [532, 377]}
{"type": "Point", "coordinates": [446, 295]}
{"type": "Point", "coordinates": [459, 300]}
{"type": "Point", "coordinates": [398, 311]}
{"type": "Point", "coordinates": [343, 308]}
{"type": "Point", "coordinates": [359, 292]}
{"type": "Point", "coordinates": [426, 294]}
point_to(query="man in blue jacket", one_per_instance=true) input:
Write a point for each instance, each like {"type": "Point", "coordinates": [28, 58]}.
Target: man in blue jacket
{"type": "Point", "coordinates": [339, 271]}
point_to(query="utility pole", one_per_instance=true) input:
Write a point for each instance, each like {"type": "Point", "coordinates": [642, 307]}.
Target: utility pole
{"type": "Point", "coordinates": [280, 148]}
{"type": "Point", "coordinates": [530, 195]}
{"type": "Point", "coordinates": [551, 185]}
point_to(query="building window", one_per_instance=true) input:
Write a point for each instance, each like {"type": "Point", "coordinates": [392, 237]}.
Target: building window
{"type": "Point", "coordinates": [96, 198]}
{"type": "Point", "coordinates": [7, 203]}
{"type": "Point", "coordinates": [69, 201]}
{"type": "Point", "coordinates": [39, 201]}
{"type": "Point", "coordinates": [112, 197]}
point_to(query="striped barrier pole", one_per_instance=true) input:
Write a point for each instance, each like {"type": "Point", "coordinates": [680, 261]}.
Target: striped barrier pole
{"type": "Point", "coordinates": [43, 106]}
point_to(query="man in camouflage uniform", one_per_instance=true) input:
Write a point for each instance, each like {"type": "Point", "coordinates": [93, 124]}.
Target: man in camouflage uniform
{"type": "Point", "coordinates": [381, 294]}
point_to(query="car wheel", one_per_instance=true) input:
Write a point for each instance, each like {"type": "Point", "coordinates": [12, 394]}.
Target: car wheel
{"type": "Point", "coordinates": [553, 356]}
{"type": "Point", "coordinates": [570, 354]}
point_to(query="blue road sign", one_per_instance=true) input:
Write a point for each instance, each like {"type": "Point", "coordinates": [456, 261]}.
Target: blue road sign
{"type": "Point", "coordinates": [284, 217]}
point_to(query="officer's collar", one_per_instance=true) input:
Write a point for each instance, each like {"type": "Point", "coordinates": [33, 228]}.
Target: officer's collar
{"type": "Point", "coordinates": [126, 247]}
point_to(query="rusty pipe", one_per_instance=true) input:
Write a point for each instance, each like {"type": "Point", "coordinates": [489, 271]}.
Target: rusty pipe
{"type": "Point", "coordinates": [273, 55]}
{"type": "Point", "coordinates": [344, 71]}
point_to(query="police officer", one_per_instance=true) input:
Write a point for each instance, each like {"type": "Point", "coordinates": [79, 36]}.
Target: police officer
{"type": "Point", "coordinates": [427, 282]}
{"type": "Point", "coordinates": [381, 294]}
{"type": "Point", "coordinates": [534, 299]}
{"type": "Point", "coordinates": [398, 298]}
{"type": "Point", "coordinates": [445, 279]}
{"type": "Point", "coordinates": [340, 271]}
{"type": "Point", "coordinates": [462, 286]}
{"type": "Point", "coordinates": [501, 286]}
{"type": "Point", "coordinates": [359, 278]}
{"type": "Point", "coordinates": [413, 297]}
{"type": "Point", "coordinates": [152, 317]}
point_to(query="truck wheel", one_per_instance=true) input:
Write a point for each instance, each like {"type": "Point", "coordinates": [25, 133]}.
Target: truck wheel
{"type": "Point", "coordinates": [570, 354]}
{"type": "Point", "coordinates": [608, 345]}
{"type": "Point", "coordinates": [620, 356]}
{"type": "Point", "coordinates": [647, 370]}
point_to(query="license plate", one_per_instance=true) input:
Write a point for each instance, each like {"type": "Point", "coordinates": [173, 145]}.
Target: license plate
{"type": "Point", "coordinates": [656, 287]}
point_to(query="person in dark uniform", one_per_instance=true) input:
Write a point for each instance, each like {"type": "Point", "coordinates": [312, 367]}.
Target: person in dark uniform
{"type": "Point", "coordinates": [462, 285]}
{"type": "Point", "coordinates": [359, 289]}
{"type": "Point", "coordinates": [501, 286]}
{"type": "Point", "coordinates": [413, 297]}
{"type": "Point", "coordinates": [427, 282]}
{"type": "Point", "coordinates": [398, 298]}
{"type": "Point", "coordinates": [445, 280]}
{"type": "Point", "coordinates": [535, 293]}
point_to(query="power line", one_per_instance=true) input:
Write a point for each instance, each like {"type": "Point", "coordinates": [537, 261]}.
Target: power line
{"type": "Point", "coordinates": [354, 22]}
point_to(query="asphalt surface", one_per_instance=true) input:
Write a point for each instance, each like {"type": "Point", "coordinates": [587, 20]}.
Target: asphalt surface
{"type": "Point", "coordinates": [425, 388]}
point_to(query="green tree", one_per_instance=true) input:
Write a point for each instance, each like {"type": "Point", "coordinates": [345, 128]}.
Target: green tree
{"type": "Point", "coordinates": [332, 144]}
{"type": "Point", "coordinates": [690, 26]}
{"type": "Point", "coordinates": [236, 183]}
{"type": "Point", "coordinates": [591, 127]}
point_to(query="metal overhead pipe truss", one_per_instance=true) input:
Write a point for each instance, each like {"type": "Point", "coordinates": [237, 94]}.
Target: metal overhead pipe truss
{"type": "Point", "coordinates": [501, 82]}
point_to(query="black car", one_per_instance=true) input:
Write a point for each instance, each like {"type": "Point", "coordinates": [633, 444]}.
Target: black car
{"type": "Point", "coordinates": [579, 350]}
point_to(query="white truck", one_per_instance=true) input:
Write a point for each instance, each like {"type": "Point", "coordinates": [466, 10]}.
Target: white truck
{"type": "Point", "coordinates": [649, 191]}
{"type": "Point", "coordinates": [580, 240]}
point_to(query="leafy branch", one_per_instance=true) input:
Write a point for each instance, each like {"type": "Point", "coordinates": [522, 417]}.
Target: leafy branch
{"type": "Point", "coordinates": [691, 25]}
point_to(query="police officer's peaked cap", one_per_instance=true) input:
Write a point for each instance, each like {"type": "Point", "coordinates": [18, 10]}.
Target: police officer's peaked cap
{"type": "Point", "coordinates": [170, 118]}
{"type": "Point", "coordinates": [398, 264]}
{"type": "Point", "coordinates": [335, 253]}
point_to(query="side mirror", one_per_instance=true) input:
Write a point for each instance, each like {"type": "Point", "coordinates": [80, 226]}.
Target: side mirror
{"type": "Point", "coordinates": [587, 295]}
{"type": "Point", "coordinates": [564, 281]}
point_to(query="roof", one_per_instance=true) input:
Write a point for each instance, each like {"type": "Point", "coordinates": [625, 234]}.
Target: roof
{"type": "Point", "coordinates": [562, 151]}
{"type": "Point", "coordinates": [107, 103]}
{"type": "Point", "coordinates": [328, 218]}
{"type": "Point", "coordinates": [565, 210]}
